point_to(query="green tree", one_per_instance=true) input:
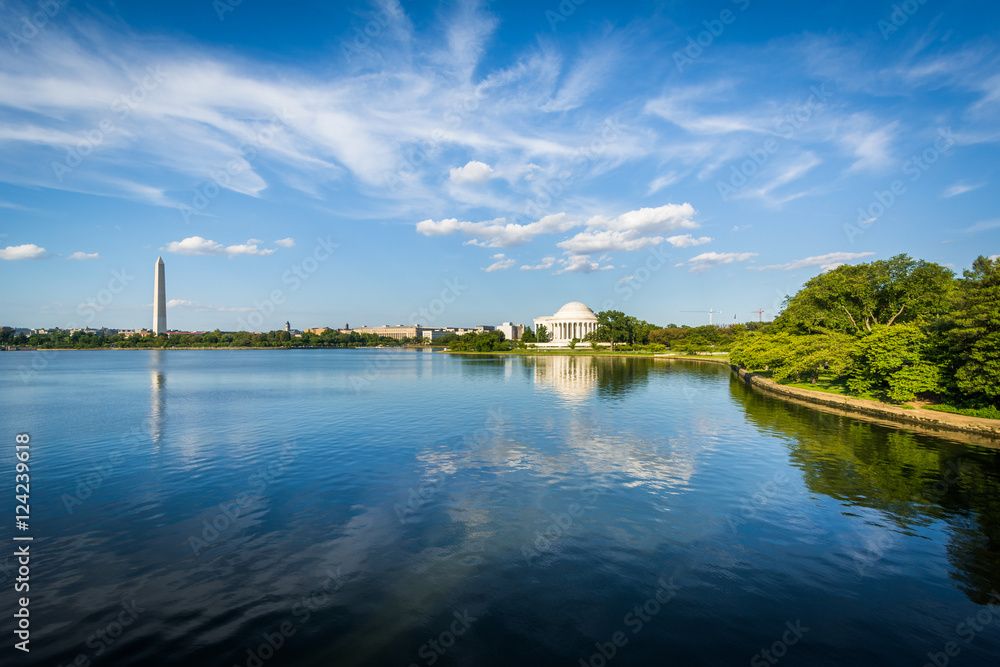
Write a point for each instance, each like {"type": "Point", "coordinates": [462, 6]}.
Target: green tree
{"type": "Point", "coordinates": [790, 356]}
{"type": "Point", "coordinates": [856, 298]}
{"type": "Point", "coordinates": [613, 326]}
{"type": "Point", "coordinates": [893, 362]}
{"type": "Point", "coordinates": [974, 340]}
{"type": "Point", "coordinates": [542, 334]}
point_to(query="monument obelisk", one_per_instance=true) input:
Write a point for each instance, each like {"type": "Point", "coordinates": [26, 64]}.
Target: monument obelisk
{"type": "Point", "coordinates": [159, 300]}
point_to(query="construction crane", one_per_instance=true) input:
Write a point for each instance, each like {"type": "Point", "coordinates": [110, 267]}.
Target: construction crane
{"type": "Point", "coordinates": [760, 314]}
{"type": "Point", "coordinates": [710, 311]}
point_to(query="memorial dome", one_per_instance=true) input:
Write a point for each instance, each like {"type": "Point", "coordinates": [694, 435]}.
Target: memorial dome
{"type": "Point", "coordinates": [575, 309]}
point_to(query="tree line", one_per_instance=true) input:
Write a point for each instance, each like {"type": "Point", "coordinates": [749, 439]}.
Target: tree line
{"type": "Point", "coordinates": [80, 340]}
{"type": "Point", "coordinates": [896, 330]}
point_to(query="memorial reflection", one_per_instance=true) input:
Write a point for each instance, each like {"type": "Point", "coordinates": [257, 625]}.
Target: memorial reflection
{"type": "Point", "coordinates": [913, 479]}
{"type": "Point", "coordinates": [575, 378]}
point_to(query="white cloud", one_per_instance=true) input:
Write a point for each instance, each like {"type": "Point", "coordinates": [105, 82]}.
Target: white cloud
{"type": "Point", "coordinates": [634, 230]}
{"type": "Point", "coordinates": [27, 251]}
{"type": "Point", "coordinates": [497, 233]}
{"type": "Point", "coordinates": [180, 303]}
{"type": "Point", "coordinates": [994, 257]}
{"type": "Point", "coordinates": [546, 263]}
{"type": "Point", "coordinates": [961, 189]}
{"type": "Point", "coordinates": [196, 245]}
{"type": "Point", "coordinates": [581, 264]}
{"type": "Point", "coordinates": [826, 262]}
{"type": "Point", "coordinates": [473, 172]}
{"type": "Point", "coordinates": [84, 255]}
{"type": "Point", "coordinates": [502, 263]}
{"type": "Point", "coordinates": [589, 242]}
{"type": "Point", "coordinates": [707, 260]}
{"type": "Point", "coordinates": [686, 241]}
{"type": "Point", "coordinates": [285, 243]}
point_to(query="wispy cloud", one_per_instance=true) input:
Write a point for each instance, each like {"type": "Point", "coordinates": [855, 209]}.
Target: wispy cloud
{"type": "Point", "coordinates": [501, 264]}
{"type": "Point", "coordinates": [961, 189]}
{"type": "Point", "coordinates": [826, 262]}
{"type": "Point", "coordinates": [707, 260]}
{"type": "Point", "coordinates": [546, 263]}
{"type": "Point", "coordinates": [196, 245]}
{"type": "Point", "coordinates": [84, 255]}
{"type": "Point", "coordinates": [983, 225]}
{"type": "Point", "coordinates": [200, 307]}
{"type": "Point", "coordinates": [581, 264]}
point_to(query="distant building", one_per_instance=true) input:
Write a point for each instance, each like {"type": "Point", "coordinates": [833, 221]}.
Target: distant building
{"type": "Point", "coordinates": [397, 332]}
{"type": "Point", "coordinates": [511, 331]}
{"type": "Point", "coordinates": [574, 320]}
{"type": "Point", "coordinates": [434, 334]}
{"type": "Point", "coordinates": [318, 331]}
{"type": "Point", "coordinates": [288, 327]}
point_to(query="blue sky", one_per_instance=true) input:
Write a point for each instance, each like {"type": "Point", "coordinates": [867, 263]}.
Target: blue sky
{"type": "Point", "coordinates": [465, 163]}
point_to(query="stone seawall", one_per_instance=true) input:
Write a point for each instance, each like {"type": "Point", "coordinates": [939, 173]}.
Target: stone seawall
{"type": "Point", "coordinates": [929, 420]}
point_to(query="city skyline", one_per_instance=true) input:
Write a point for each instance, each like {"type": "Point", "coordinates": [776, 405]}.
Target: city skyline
{"type": "Point", "coordinates": [499, 160]}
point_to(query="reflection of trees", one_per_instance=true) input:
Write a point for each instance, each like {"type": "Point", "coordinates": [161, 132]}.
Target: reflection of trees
{"type": "Point", "coordinates": [912, 478]}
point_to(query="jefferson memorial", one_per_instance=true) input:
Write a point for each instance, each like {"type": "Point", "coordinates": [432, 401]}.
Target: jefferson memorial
{"type": "Point", "coordinates": [574, 320]}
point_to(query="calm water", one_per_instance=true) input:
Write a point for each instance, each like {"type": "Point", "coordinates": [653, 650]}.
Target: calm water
{"type": "Point", "coordinates": [403, 507]}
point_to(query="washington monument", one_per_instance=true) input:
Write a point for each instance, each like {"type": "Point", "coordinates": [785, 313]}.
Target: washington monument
{"type": "Point", "coordinates": [159, 300]}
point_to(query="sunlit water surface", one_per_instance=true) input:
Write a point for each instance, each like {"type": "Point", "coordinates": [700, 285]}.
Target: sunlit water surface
{"type": "Point", "coordinates": [384, 507]}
